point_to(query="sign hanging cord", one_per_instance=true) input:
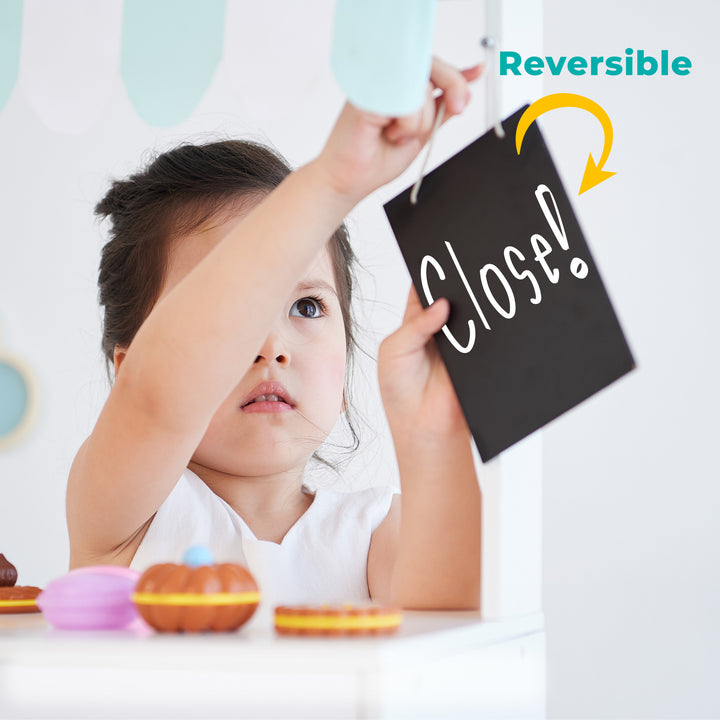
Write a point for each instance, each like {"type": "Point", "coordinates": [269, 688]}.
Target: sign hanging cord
{"type": "Point", "coordinates": [493, 101]}
{"type": "Point", "coordinates": [416, 187]}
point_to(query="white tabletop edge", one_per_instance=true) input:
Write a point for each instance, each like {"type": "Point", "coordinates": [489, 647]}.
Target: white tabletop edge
{"type": "Point", "coordinates": [28, 640]}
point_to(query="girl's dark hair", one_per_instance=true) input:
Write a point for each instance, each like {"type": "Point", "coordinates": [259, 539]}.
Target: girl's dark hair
{"type": "Point", "coordinates": [176, 193]}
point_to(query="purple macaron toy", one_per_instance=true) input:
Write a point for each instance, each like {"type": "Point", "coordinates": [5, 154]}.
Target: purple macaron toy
{"type": "Point", "coordinates": [91, 598]}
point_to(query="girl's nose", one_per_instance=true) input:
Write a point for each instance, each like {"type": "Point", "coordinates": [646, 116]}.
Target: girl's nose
{"type": "Point", "coordinates": [273, 351]}
{"type": "Point", "coordinates": [282, 359]}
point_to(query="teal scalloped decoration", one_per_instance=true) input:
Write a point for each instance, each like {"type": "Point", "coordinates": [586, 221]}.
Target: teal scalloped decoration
{"type": "Point", "coordinates": [10, 34]}
{"type": "Point", "coordinates": [14, 399]}
{"type": "Point", "coordinates": [170, 50]}
{"type": "Point", "coordinates": [382, 53]}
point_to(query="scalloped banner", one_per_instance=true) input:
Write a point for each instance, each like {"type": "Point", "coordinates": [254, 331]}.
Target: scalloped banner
{"type": "Point", "coordinates": [15, 401]}
{"type": "Point", "coordinates": [10, 34]}
{"type": "Point", "coordinates": [170, 51]}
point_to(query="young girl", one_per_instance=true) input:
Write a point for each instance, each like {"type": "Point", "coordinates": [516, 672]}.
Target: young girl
{"type": "Point", "coordinates": [227, 319]}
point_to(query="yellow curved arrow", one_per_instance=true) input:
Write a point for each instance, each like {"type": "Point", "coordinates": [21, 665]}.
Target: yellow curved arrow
{"type": "Point", "coordinates": [594, 173]}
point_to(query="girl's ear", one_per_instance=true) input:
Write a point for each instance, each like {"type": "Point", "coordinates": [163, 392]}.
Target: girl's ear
{"type": "Point", "coordinates": [118, 356]}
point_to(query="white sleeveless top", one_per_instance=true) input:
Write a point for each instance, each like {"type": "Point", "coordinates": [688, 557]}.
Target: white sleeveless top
{"type": "Point", "coordinates": [322, 558]}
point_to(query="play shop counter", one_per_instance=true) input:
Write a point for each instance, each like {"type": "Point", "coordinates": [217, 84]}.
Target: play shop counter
{"type": "Point", "coordinates": [437, 665]}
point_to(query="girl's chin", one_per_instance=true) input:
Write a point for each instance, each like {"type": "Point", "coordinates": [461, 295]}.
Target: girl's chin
{"type": "Point", "coordinates": [259, 454]}
{"type": "Point", "coordinates": [260, 463]}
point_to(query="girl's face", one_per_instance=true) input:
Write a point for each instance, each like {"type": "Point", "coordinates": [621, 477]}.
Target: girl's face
{"type": "Point", "coordinates": [299, 369]}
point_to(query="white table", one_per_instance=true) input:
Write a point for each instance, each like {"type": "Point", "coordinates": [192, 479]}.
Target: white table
{"type": "Point", "coordinates": [439, 665]}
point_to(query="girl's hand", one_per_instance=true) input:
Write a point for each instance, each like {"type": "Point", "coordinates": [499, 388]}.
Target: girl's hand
{"type": "Point", "coordinates": [365, 151]}
{"type": "Point", "coordinates": [419, 398]}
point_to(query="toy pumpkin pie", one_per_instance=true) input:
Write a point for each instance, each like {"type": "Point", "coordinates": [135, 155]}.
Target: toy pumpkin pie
{"type": "Point", "coordinates": [196, 596]}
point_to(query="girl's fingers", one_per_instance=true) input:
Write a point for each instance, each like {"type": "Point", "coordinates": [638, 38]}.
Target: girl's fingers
{"type": "Point", "coordinates": [473, 73]}
{"type": "Point", "coordinates": [413, 306]}
{"type": "Point", "coordinates": [455, 95]}
{"type": "Point", "coordinates": [420, 324]}
{"type": "Point", "coordinates": [457, 100]}
{"type": "Point", "coordinates": [453, 84]}
{"type": "Point", "coordinates": [417, 125]}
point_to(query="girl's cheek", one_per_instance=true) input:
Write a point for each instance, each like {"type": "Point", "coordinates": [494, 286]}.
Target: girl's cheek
{"type": "Point", "coordinates": [307, 328]}
{"type": "Point", "coordinates": [335, 368]}
{"type": "Point", "coordinates": [332, 374]}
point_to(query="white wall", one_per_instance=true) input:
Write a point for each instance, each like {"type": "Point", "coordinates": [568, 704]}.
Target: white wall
{"type": "Point", "coordinates": [631, 481]}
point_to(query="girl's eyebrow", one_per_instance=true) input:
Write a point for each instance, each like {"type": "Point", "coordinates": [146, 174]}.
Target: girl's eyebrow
{"type": "Point", "coordinates": [314, 284]}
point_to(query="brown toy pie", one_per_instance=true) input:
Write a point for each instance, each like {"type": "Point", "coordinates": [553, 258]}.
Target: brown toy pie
{"type": "Point", "coordinates": [15, 599]}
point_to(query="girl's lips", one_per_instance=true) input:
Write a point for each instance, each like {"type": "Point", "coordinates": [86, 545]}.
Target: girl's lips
{"type": "Point", "coordinates": [271, 391]}
{"type": "Point", "coordinates": [269, 396]}
{"type": "Point", "coordinates": [266, 406]}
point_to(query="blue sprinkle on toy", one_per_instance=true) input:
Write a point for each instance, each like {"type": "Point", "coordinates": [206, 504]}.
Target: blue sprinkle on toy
{"type": "Point", "coordinates": [197, 556]}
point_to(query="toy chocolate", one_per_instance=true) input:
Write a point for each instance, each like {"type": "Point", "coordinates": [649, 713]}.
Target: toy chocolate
{"type": "Point", "coordinates": [8, 573]}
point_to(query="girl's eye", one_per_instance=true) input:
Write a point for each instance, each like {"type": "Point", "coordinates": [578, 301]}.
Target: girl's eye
{"type": "Point", "coordinates": [307, 307]}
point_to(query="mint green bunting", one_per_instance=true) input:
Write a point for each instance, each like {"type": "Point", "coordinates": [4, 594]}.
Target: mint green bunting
{"type": "Point", "coordinates": [10, 33]}
{"type": "Point", "coordinates": [170, 50]}
{"type": "Point", "coordinates": [14, 399]}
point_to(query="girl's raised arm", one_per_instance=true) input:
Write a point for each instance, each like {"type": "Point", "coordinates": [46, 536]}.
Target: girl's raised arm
{"type": "Point", "coordinates": [435, 529]}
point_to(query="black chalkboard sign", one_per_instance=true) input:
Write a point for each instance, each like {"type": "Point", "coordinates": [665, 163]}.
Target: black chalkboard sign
{"type": "Point", "coordinates": [531, 332]}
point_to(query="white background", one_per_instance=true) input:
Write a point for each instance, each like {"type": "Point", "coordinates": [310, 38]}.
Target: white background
{"type": "Point", "coordinates": [631, 481]}
{"type": "Point", "coordinates": [631, 578]}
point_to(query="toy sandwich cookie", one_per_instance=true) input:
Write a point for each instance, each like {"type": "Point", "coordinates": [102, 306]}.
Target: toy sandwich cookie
{"type": "Point", "coordinates": [196, 596]}
{"type": "Point", "coordinates": [97, 597]}
{"type": "Point", "coordinates": [20, 599]}
{"type": "Point", "coordinates": [345, 619]}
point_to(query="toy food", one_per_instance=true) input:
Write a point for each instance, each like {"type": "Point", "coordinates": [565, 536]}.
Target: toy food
{"type": "Point", "coordinates": [337, 620]}
{"type": "Point", "coordinates": [197, 595]}
{"type": "Point", "coordinates": [91, 598]}
{"type": "Point", "coordinates": [20, 599]}
{"type": "Point", "coordinates": [8, 573]}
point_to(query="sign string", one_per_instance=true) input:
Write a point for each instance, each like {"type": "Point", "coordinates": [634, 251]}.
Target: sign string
{"type": "Point", "coordinates": [493, 103]}
{"type": "Point", "coordinates": [416, 187]}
